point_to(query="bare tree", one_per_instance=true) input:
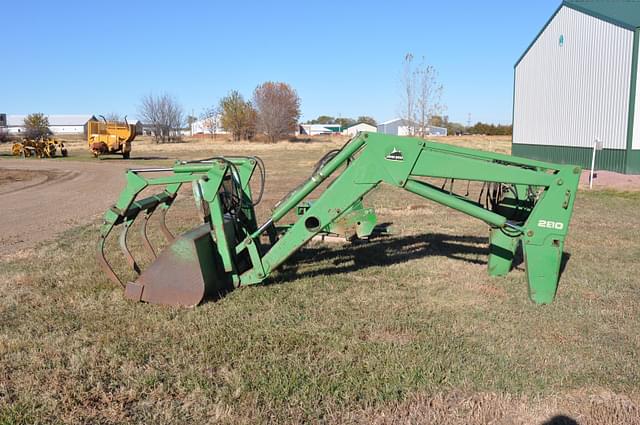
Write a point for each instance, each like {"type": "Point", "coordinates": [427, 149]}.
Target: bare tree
{"type": "Point", "coordinates": [149, 111]}
{"type": "Point", "coordinates": [113, 116]}
{"type": "Point", "coordinates": [429, 97]}
{"type": "Point", "coordinates": [211, 120]}
{"type": "Point", "coordinates": [165, 115]}
{"type": "Point", "coordinates": [408, 93]}
{"type": "Point", "coordinates": [278, 108]}
{"type": "Point", "coordinates": [421, 95]}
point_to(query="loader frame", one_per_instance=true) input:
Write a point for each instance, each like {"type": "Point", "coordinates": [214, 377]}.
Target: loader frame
{"type": "Point", "coordinates": [528, 202]}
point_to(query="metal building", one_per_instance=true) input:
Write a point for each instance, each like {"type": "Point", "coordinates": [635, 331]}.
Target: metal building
{"type": "Point", "coordinates": [404, 127]}
{"type": "Point", "coordinates": [58, 124]}
{"type": "Point", "coordinates": [577, 83]}
{"type": "Point", "coordinates": [211, 125]}
{"type": "Point", "coordinates": [356, 128]}
{"type": "Point", "coordinates": [318, 129]}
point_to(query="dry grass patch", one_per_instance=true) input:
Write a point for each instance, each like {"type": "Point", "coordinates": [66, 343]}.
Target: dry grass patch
{"type": "Point", "coordinates": [458, 408]}
{"type": "Point", "coordinates": [406, 329]}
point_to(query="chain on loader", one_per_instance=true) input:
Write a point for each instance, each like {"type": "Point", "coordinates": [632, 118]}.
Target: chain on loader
{"type": "Point", "coordinates": [525, 201]}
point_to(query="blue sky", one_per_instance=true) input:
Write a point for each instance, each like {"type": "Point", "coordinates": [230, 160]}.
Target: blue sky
{"type": "Point", "coordinates": [343, 58]}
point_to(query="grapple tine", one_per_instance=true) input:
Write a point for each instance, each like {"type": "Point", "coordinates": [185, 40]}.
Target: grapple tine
{"type": "Point", "coordinates": [102, 260]}
{"type": "Point", "coordinates": [163, 223]}
{"type": "Point", "coordinates": [143, 232]}
{"type": "Point", "coordinates": [125, 249]}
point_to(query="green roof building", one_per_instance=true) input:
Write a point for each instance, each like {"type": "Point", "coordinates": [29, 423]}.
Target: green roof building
{"type": "Point", "coordinates": [577, 83]}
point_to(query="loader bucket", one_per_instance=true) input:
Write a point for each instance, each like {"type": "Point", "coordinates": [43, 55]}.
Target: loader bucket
{"type": "Point", "coordinates": [191, 267]}
{"type": "Point", "coordinates": [185, 272]}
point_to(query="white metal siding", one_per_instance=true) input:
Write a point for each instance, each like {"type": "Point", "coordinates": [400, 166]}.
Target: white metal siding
{"type": "Point", "coordinates": [636, 115]}
{"type": "Point", "coordinates": [67, 129]}
{"type": "Point", "coordinates": [207, 127]}
{"type": "Point", "coordinates": [389, 128]}
{"type": "Point", "coordinates": [353, 130]}
{"type": "Point", "coordinates": [55, 129]}
{"type": "Point", "coordinates": [570, 95]}
{"type": "Point", "coordinates": [403, 130]}
{"type": "Point", "coordinates": [397, 127]}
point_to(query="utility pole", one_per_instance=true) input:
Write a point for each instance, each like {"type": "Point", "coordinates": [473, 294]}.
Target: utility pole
{"type": "Point", "coordinates": [193, 112]}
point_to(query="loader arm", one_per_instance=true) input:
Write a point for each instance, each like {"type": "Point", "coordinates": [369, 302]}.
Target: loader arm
{"type": "Point", "coordinates": [541, 223]}
{"type": "Point", "coordinates": [524, 201]}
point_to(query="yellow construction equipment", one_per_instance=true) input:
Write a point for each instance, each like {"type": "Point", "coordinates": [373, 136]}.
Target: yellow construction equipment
{"type": "Point", "coordinates": [110, 137]}
{"type": "Point", "coordinates": [45, 147]}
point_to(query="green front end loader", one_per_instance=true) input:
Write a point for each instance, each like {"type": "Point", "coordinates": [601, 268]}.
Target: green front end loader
{"type": "Point", "coordinates": [524, 202]}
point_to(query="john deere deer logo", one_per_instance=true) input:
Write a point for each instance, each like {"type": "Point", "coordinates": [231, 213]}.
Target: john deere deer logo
{"type": "Point", "coordinates": [395, 155]}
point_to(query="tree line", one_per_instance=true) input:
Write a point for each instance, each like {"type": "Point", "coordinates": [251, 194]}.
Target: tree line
{"type": "Point", "coordinates": [480, 128]}
{"type": "Point", "coordinates": [491, 129]}
{"type": "Point", "coordinates": [273, 111]}
{"type": "Point", "coordinates": [343, 122]}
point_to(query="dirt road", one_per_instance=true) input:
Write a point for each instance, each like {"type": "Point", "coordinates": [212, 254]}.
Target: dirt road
{"type": "Point", "coordinates": [41, 198]}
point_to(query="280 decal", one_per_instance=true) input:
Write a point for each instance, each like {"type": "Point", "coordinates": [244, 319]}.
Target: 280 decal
{"type": "Point", "coordinates": [548, 224]}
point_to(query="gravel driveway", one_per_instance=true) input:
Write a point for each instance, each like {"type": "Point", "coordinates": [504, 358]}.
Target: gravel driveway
{"type": "Point", "coordinates": [41, 198]}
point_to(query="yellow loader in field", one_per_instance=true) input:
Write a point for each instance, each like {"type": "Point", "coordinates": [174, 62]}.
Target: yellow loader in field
{"type": "Point", "coordinates": [110, 137]}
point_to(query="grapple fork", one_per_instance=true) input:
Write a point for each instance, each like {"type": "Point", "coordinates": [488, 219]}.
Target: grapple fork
{"type": "Point", "coordinates": [124, 213]}
{"type": "Point", "coordinates": [125, 248]}
{"type": "Point", "coordinates": [190, 267]}
{"type": "Point", "coordinates": [145, 235]}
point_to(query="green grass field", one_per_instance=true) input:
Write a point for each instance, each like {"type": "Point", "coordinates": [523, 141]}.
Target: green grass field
{"type": "Point", "coordinates": [404, 329]}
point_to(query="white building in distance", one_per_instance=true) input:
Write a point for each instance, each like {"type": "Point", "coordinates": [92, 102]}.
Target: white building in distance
{"type": "Point", "coordinates": [403, 127]}
{"type": "Point", "coordinates": [318, 129]}
{"type": "Point", "coordinates": [210, 125]}
{"type": "Point", "coordinates": [357, 128]}
{"type": "Point", "coordinates": [58, 124]}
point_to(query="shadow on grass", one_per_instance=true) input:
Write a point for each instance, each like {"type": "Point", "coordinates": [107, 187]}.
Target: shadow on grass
{"type": "Point", "coordinates": [133, 158]}
{"type": "Point", "coordinates": [563, 263]}
{"type": "Point", "coordinates": [34, 157]}
{"type": "Point", "coordinates": [382, 251]}
{"type": "Point", "coordinates": [387, 250]}
{"type": "Point", "coordinates": [560, 420]}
